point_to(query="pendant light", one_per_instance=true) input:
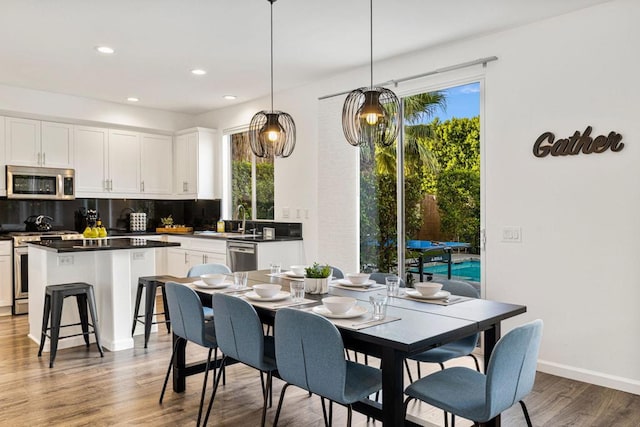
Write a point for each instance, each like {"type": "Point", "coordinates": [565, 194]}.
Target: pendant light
{"type": "Point", "coordinates": [272, 133]}
{"type": "Point", "coordinates": [370, 114]}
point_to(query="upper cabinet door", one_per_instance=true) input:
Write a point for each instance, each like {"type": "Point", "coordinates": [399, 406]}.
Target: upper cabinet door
{"type": "Point", "coordinates": [156, 164]}
{"type": "Point", "coordinates": [124, 162]}
{"type": "Point", "coordinates": [91, 147]}
{"type": "Point", "coordinates": [56, 145]}
{"type": "Point", "coordinates": [22, 142]}
{"type": "Point", "coordinates": [186, 165]}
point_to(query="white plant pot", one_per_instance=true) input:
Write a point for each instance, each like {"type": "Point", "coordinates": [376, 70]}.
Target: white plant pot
{"type": "Point", "coordinates": [316, 286]}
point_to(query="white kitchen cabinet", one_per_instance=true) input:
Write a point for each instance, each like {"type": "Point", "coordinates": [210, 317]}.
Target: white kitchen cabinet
{"type": "Point", "coordinates": [6, 276]}
{"type": "Point", "coordinates": [196, 168]}
{"type": "Point", "coordinates": [35, 143]}
{"type": "Point", "coordinates": [92, 145]}
{"type": "Point", "coordinates": [194, 251]}
{"type": "Point", "coordinates": [286, 253]}
{"type": "Point", "coordinates": [3, 162]}
{"type": "Point", "coordinates": [156, 164]}
{"type": "Point", "coordinates": [124, 163]}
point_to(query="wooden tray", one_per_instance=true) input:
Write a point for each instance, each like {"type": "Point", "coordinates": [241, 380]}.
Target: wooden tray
{"type": "Point", "coordinates": [174, 230]}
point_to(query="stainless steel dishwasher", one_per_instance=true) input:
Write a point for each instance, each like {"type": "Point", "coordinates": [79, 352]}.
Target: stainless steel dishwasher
{"type": "Point", "coordinates": [242, 256]}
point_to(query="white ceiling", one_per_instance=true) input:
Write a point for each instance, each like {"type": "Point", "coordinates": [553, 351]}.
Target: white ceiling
{"type": "Point", "coordinates": [49, 45]}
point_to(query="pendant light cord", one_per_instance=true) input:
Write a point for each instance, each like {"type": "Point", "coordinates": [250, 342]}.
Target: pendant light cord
{"type": "Point", "coordinates": [371, 38]}
{"type": "Point", "coordinates": [271, 1]}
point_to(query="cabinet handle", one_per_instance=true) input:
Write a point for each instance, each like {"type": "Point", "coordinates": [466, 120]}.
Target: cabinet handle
{"type": "Point", "coordinates": [44, 159]}
{"type": "Point", "coordinates": [142, 186]}
{"type": "Point", "coordinates": [38, 161]}
{"type": "Point", "coordinates": [184, 186]}
{"type": "Point", "coordinates": [204, 259]}
{"type": "Point", "coordinates": [110, 185]}
{"type": "Point", "coordinates": [186, 258]}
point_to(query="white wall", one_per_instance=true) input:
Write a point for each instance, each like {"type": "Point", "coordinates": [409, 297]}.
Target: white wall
{"type": "Point", "coordinates": [576, 267]}
{"type": "Point", "coordinates": [29, 103]}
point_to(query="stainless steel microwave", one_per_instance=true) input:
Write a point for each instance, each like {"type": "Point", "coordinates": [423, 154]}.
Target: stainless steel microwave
{"type": "Point", "coordinates": [28, 182]}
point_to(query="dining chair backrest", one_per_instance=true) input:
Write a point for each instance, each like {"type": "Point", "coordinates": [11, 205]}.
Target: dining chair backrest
{"type": "Point", "coordinates": [337, 273]}
{"type": "Point", "coordinates": [185, 310]}
{"type": "Point", "coordinates": [459, 287]}
{"type": "Point", "coordinates": [239, 331]}
{"type": "Point", "coordinates": [379, 277]}
{"type": "Point", "coordinates": [512, 367]}
{"type": "Point", "coordinates": [199, 270]}
{"type": "Point", "coordinates": [310, 353]}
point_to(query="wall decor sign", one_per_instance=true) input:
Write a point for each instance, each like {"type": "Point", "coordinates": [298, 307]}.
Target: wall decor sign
{"type": "Point", "coordinates": [577, 143]}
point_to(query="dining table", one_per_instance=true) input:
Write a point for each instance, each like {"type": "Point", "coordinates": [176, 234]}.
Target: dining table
{"type": "Point", "coordinates": [410, 326]}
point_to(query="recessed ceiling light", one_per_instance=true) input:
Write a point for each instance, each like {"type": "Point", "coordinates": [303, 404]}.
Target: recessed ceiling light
{"type": "Point", "coordinates": [132, 99]}
{"type": "Point", "coordinates": [105, 49]}
{"type": "Point", "coordinates": [230, 97]}
{"type": "Point", "coordinates": [198, 72]}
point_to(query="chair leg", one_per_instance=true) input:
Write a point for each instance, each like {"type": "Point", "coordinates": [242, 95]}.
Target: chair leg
{"type": "Point", "coordinates": [45, 322]}
{"type": "Point", "coordinates": [475, 359]}
{"type": "Point", "coordinates": [166, 378]}
{"type": "Point", "coordinates": [56, 316]}
{"type": "Point", "coordinates": [265, 402]}
{"type": "Point", "coordinates": [453, 420]}
{"type": "Point", "coordinates": [526, 413]}
{"type": "Point", "coordinates": [419, 373]}
{"type": "Point", "coordinates": [204, 385]}
{"type": "Point", "coordinates": [284, 389]}
{"type": "Point", "coordinates": [349, 415]}
{"type": "Point", "coordinates": [81, 302]}
{"type": "Point", "coordinates": [324, 413]}
{"type": "Point", "coordinates": [165, 305]}
{"type": "Point", "coordinates": [406, 365]}
{"type": "Point", "coordinates": [137, 308]}
{"type": "Point", "coordinates": [215, 388]}
{"type": "Point", "coordinates": [91, 298]}
{"type": "Point", "coordinates": [406, 406]}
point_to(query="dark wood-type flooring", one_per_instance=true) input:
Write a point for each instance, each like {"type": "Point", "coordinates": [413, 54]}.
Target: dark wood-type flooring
{"type": "Point", "coordinates": [123, 389]}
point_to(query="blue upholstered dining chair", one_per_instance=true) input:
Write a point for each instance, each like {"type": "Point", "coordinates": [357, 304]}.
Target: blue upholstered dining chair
{"type": "Point", "coordinates": [199, 270]}
{"type": "Point", "coordinates": [460, 348]}
{"type": "Point", "coordinates": [310, 355]}
{"type": "Point", "coordinates": [337, 273]}
{"type": "Point", "coordinates": [189, 325]}
{"type": "Point", "coordinates": [477, 397]}
{"type": "Point", "coordinates": [379, 277]}
{"type": "Point", "coordinates": [240, 337]}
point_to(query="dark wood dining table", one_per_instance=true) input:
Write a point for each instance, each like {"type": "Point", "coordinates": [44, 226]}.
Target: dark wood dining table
{"type": "Point", "coordinates": [421, 326]}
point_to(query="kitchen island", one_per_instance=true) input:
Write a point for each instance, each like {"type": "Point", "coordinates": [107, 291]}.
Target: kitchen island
{"type": "Point", "coordinates": [111, 265]}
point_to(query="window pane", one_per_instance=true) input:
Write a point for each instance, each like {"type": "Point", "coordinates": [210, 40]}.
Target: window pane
{"type": "Point", "coordinates": [264, 188]}
{"type": "Point", "coordinates": [241, 158]}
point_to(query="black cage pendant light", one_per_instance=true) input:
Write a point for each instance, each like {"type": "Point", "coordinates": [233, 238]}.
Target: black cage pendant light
{"type": "Point", "coordinates": [370, 114]}
{"type": "Point", "coordinates": [272, 133]}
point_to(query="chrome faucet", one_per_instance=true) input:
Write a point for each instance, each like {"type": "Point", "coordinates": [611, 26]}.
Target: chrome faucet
{"type": "Point", "coordinates": [244, 217]}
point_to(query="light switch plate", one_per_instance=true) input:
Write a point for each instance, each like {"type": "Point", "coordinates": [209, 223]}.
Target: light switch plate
{"type": "Point", "coordinates": [512, 234]}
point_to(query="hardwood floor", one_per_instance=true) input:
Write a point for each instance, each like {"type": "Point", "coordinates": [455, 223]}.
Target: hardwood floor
{"type": "Point", "coordinates": [123, 389]}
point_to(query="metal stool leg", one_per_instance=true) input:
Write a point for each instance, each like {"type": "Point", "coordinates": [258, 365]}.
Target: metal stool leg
{"type": "Point", "coordinates": [81, 300]}
{"type": "Point", "coordinates": [56, 316]}
{"type": "Point", "coordinates": [137, 307]}
{"type": "Point", "coordinates": [166, 309]}
{"type": "Point", "coordinates": [91, 300]}
{"type": "Point", "coordinates": [45, 322]}
{"type": "Point", "coordinates": [150, 303]}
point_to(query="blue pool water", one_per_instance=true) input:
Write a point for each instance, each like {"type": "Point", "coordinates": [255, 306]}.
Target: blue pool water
{"type": "Point", "coordinates": [465, 270]}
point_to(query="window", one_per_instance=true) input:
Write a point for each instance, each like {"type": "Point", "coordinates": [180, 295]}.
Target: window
{"type": "Point", "coordinates": [251, 179]}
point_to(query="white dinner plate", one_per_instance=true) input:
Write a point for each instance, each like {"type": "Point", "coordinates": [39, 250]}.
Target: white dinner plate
{"type": "Point", "coordinates": [347, 282]}
{"type": "Point", "coordinates": [200, 284]}
{"type": "Point", "coordinates": [354, 312]}
{"type": "Point", "coordinates": [277, 297]}
{"type": "Point", "coordinates": [292, 274]}
{"type": "Point", "coordinates": [437, 295]}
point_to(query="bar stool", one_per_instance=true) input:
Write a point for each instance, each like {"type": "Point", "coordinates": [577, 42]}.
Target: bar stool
{"type": "Point", "coordinates": [150, 286]}
{"type": "Point", "coordinates": [53, 301]}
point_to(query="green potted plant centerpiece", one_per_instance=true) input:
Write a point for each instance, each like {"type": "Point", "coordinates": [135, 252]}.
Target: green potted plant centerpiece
{"type": "Point", "coordinates": [316, 279]}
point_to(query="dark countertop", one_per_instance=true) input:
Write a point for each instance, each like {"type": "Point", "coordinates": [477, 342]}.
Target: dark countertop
{"type": "Point", "coordinates": [100, 244]}
{"type": "Point", "coordinates": [5, 237]}
{"type": "Point", "coordinates": [236, 237]}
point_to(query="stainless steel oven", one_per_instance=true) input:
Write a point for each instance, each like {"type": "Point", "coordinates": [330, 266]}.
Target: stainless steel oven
{"type": "Point", "coordinates": [21, 263]}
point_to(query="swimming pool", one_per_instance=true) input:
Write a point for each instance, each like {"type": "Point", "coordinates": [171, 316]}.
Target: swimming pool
{"type": "Point", "coordinates": [465, 270]}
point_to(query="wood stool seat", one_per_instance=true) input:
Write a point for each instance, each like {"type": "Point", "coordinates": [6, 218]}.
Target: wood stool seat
{"type": "Point", "coordinates": [53, 301]}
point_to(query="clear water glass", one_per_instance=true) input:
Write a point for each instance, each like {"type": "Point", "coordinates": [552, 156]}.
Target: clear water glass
{"type": "Point", "coordinates": [275, 268]}
{"type": "Point", "coordinates": [297, 291]}
{"type": "Point", "coordinates": [379, 304]}
{"type": "Point", "coordinates": [240, 279]}
{"type": "Point", "coordinates": [393, 285]}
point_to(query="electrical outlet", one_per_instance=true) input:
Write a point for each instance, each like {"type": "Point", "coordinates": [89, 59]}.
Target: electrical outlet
{"type": "Point", "coordinates": [65, 260]}
{"type": "Point", "coordinates": [285, 212]}
{"type": "Point", "coordinates": [137, 256]}
{"type": "Point", "coordinates": [298, 213]}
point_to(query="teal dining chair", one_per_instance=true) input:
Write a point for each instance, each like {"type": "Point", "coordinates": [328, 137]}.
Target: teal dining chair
{"type": "Point", "coordinates": [188, 323]}
{"type": "Point", "coordinates": [310, 355]}
{"type": "Point", "coordinates": [460, 348]}
{"type": "Point", "coordinates": [478, 397]}
{"type": "Point", "coordinates": [199, 270]}
{"type": "Point", "coordinates": [240, 337]}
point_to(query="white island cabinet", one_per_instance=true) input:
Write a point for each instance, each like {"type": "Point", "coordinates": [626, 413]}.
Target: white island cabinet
{"type": "Point", "coordinates": [112, 266]}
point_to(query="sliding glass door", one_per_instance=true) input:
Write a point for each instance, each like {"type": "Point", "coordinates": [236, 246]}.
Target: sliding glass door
{"type": "Point", "coordinates": [436, 178]}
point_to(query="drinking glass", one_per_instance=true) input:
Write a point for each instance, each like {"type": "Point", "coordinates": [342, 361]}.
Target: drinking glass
{"type": "Point", "coordinates": [297, 291]}
{"type": "Point", "coordinates": [393, 285]}
{"type": "Point", "coordinates": [275, 268]}
{"type": "Point", "coordinates": [379, 303]}
{"type": "Point", "coordinates": [240, 279]}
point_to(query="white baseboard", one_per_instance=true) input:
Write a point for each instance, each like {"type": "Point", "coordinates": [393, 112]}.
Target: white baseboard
{"type": "Point", "coordinates": [592, 377]}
